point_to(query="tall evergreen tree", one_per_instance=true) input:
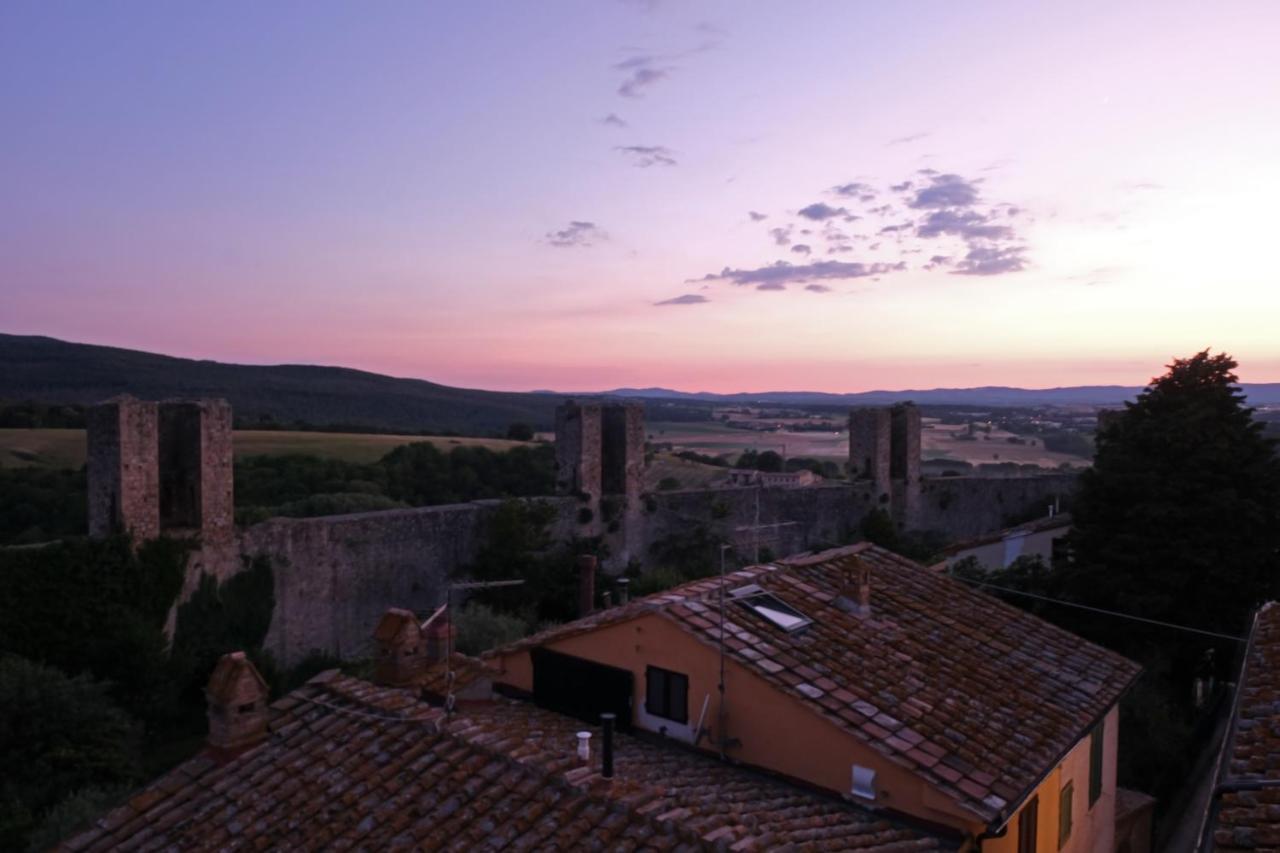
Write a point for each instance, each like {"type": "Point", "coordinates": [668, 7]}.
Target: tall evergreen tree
{"type": "Point", "coordinates": [1179, 518]}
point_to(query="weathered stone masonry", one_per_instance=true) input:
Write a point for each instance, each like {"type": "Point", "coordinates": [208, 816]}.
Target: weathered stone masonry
{"type": "Point", "coordinates": [166, 467]}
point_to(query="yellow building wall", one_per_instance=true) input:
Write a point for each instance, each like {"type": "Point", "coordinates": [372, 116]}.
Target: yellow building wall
{"type": "Point", "coordinates": [780, 733]}
{"type": "Point", "coordinates": [1093, 829]}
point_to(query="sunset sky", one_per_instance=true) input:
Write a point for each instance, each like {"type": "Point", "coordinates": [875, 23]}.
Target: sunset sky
{"type": "Point", "coordinates": [706, 196]}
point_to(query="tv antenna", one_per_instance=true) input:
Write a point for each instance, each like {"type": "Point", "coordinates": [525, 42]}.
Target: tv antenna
{"type": "Point", "coordinates": [449, 675]}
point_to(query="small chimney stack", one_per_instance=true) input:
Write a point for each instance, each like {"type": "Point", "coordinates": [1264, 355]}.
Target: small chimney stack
{"type": "Point", "coordinates": [439, 636]}
{"type": "Point", "coordinates": [624, 590]}
{"type": "Point", "coordinates": [237, 705]}
{"type": "Point", "coordinates": [862, 581]}
{"type": "Point", "coordinates": [402, 652]}
{"type": "Point", "coordinates": [606, 747]}
{"type": "Point", "coordinates": [586, 584]}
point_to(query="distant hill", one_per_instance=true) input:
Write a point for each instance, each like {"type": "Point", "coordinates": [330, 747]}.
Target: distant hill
{"type": "Point", "coordinates": [1259, 394]}
{"type": "Point", "coordinates": [43, 368]}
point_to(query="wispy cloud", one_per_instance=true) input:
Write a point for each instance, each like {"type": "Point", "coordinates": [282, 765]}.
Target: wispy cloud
{"type": "Point", "coordinates": [802, 249]}
{"type": "Point", "coordinates": [757, 217]}
{"type": "Point", "coordinates": [855, 189]}
{"type": "Point", "coordinates": [817, 288]}
{"type": "Point", "coordinates": [644, 156]}
{"type": "Point", "coordinates": [820, 211]}
{"type": "Point", "coordinates": [945, 191]}
{"type": "Point", "coordinates": [783, 273]}
{"type": "Point", "coordinates": [903, 140]}
{"type": "Point", "coordinates": [641, 74]}
{"type": "Point", "coordinates": [781, 236]}
{"type": "Point", "coordinates": [965, 224]}
{"type": "Point", "coordinates": [614, 120]}
{"type": "Point", "coordinates": [577, 233]}
{"type": "Point", "coordinates": [687, 299]}
{"type": "Point", "coordinates": [991, 260]}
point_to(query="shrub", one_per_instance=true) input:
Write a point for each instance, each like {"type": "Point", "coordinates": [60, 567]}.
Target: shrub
{"type": "Point", "coordinates": [58, 734]}
{"type": "Point", "coordinates": [481, 628]}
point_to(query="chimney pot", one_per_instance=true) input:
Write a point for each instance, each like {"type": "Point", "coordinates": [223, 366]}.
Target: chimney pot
{"type": "Point", "coordinates": [606, 749]}
{"type": "Point", "coordinates": [862, 586]}
{"type": "Point", "coordinates": [402, 648]}
{"type": "Point", "coordinates": [624, 590]}
{"type": "Point", "coordinates": [584, 746]}
{"type": "Point", "coordinates": [237, 704]}
{"type": "Point", "coordinates": [586, 584]}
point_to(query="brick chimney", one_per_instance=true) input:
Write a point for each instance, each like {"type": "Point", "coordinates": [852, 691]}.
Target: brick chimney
{"type": "Point", "coordinates": [440, 635]}
{"type": "Point", "coordinates": [586, 584]}
{"type": "Point", "coordinates": [855, 592]}
{"type": "Point", "coordinates": [237, 698]}
{"type": "Point", "coordinates": [402, 651]}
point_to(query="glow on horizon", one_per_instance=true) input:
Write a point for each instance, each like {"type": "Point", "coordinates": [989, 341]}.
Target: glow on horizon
{"type": "Point", "coordinates": [394, 189]}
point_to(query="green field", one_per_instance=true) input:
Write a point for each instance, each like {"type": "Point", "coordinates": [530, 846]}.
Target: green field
{"type": "Point", "coordinates": [65, 448]}
{"type": "Point", "coordinates": [937, 441]}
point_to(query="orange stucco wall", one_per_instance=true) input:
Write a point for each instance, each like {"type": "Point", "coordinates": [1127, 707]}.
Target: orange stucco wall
{"type": "Point", "coordinates": [780, 733]}
{"type": "Point", "coordinates": [1093, 828]}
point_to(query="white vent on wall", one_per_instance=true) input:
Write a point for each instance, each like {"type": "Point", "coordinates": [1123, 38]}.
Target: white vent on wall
{"type": "Point", "coordinates": [864, 782]}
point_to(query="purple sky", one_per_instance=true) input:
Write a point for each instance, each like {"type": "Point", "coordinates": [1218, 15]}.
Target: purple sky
{"type": "Point", "coordinates": [724, 196]}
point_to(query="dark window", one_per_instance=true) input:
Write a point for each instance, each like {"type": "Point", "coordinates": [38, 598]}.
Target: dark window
{"type": "Point", "coordinates": [1095, 765]}
{"type": "Point", "coordinates": [1064, 814]}
{"type": "Point", "coordinates": [1027, 823]}
{"type": "Point", "coordinates": [581, 688]}
{"type": "Point", "coordinates": [667, 694]}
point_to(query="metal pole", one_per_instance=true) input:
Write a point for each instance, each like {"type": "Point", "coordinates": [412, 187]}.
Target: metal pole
{"type": "Point", "coordinates": [721, 735]}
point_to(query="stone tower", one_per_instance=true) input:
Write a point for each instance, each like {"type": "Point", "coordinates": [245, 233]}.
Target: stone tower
{"type": "Point", "coordinates": [884, 450]}
{"type": "Point", "coordinates": [622, 451]}
{"type": "Point", "coordinates": [600, 459]}
{"type": "Point", "coordinates": [578, 450]}
{"type": "Point", "coordinates": [124, 484]}
{"type": "Point", "coordinates": [196, 468]}
{"type": "Point", "coordinates": [157, 468]}
{"type": "Point", "coordinates": [904, 464]}
{"type": "Point", "coordinates": [869, 444]}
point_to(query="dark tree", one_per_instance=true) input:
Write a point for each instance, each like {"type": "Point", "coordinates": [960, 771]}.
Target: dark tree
{"type": "Point", "coordinates": [58, 735]}
{"type": "Point", "coordinates": [520, 432]}
{"type": "Point", "coordinates": [1179, 518]}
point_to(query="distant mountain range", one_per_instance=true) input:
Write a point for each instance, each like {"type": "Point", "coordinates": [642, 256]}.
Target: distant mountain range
{"type": "Point", "coordinates": [41, 368]}
{"type": "Point", "coordinates": [1259, 394]}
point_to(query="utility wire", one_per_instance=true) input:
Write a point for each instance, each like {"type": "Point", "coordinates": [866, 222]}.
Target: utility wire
{"type": "Point", "coordinates": [1104, 612]}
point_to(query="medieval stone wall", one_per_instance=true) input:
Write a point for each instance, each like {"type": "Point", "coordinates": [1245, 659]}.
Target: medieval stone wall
{"type": "Point", "coordinates": [971, 506]}
{"type": "Point", "coordinates": [335, 576]}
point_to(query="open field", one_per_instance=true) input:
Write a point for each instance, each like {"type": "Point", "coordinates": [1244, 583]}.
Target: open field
{"type": "Point", "coordinates": [690, 475]}
{"type": "Point", "coordinates": [714, 438]}
{"type": "Point", "coordinates": [65, 448]}
{"type": "Point", "coordinates": [938, 441]}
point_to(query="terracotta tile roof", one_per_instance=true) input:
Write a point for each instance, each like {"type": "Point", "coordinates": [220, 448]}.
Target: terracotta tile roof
{"type": "Point", "coordinates": [467, 671]}
{"type": "Point", "coordinates": [975, 696]}
{"type": "Point", "coordinates": [348, 764]}
{"type": "Point", "coordinates": [1250, 819]}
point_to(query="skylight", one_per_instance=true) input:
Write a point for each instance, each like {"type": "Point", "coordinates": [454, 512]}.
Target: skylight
{"type": "Point", "coordinates": [768, 606]}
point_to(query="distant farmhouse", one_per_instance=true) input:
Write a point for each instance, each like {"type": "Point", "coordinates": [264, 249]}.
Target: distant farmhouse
{"type": "Point", "coordinates": [846, 700]}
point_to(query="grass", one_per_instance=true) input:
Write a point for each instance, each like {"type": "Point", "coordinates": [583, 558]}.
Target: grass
{"type": "Point", "coordinates": [65, 448]}
{"type": "Point", "coordinates": [936, 441]}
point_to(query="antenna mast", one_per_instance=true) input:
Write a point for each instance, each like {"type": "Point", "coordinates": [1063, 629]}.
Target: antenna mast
{"type": "Point", "coordinates": [449, 699]}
